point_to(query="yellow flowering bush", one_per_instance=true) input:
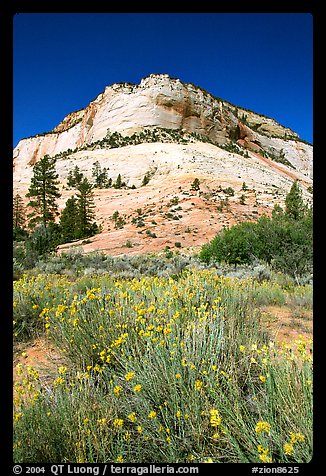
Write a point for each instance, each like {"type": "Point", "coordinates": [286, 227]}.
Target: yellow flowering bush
{"type": "Point", "coordinates": [177, 364]}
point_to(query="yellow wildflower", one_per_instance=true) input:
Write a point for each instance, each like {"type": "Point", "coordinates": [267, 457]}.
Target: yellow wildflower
{"type": "Point", "coordinates": [296, 437]}
{"type": "Point", "coordinates": [129, 376]}
{"type": "Point", "coordinates": [215, 418]}
{"type": "Point", "coordinates": [58, 381]}
{"type": "Point", "coordinates": [152, 414]}
{"type": "Point", "coordinates": [263, 454]}
{"type": "Point", "coordinates": [118, 423]}
{"type": "Point", "coordinates": [262, 378]}
{"type": "Point", "coordinates": [101, 421]}
{"type": "Point", "coordinates": [18, 416]}
{"type": "Point", "coordinates": [62, 370]}
{"type": "Point", "coordinates": [262, 426]}
{"type": "Point", "coordinates": [19, 369]}
{"type": "Point", "coordinates": [137, 388]}
{"type": "Point", "coordinates": [117, 390]}
{"type": "Point", "coordinates": [198, 385]}
{"type": "Point", "coordinates": [288, 449]}
{"type": "Point", "coordinates": [33, 372]}
{"type": "Point", "coordinates": [132, 416]}
{"type": "Point", "coordinates": [265, 458]}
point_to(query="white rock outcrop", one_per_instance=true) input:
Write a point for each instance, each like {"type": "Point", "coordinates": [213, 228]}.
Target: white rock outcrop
{"type": "Point", "coordinates": [160, 101]}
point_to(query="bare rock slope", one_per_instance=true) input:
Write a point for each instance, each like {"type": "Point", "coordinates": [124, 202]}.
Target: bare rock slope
{"type": "Point", "coordinates": [173, 132]}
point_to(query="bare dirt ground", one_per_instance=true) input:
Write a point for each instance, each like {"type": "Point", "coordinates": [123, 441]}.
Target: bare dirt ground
{"type": "Point", "coordinates": [169, 212]}
{"type": "Point", "coordinates": [40, 354]}
{"type": "Point", "coordinates": [287, 323]}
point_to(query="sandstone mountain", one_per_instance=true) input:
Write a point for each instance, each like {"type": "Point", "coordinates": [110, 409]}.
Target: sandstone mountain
{"type": "Point", "coordinates": [173, 133]}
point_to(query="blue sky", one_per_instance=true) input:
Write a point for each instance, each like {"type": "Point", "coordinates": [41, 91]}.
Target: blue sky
{"type": "Point", "coordinates": [260, 61]}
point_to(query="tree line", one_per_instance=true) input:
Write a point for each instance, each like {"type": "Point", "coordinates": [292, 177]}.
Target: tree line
{"type": "Point", "coordinates": [100, 176]}
{"type": "Point", "coordinates": [40, 229]}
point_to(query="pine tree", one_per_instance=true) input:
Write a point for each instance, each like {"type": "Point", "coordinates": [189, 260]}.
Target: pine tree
{"type": "Point", "coordinates": [277, 212]}
{"type": "Point", "coordinates": [86, 209]}
{"type": "Point", "coordinates": [195, 185]}
{"type": "Point", "coordinates": [18, 212]}
{"type": "Point", "coordinates": [43, 192]}
{"type": "Point", "coordinates": [96, 172]}
{"type": "Point", "coordinates": [69, 220]}
{"type": "Point", "coordinates": [294, 204]}
{"type": "Point", "coordinates": [101, 176]}
{"type": "Point", "coordinates": [118, 183]}
{"type": "Point", "coordinates": [74, 177]}
{"type": "Point", "coordinates": [19, 219]}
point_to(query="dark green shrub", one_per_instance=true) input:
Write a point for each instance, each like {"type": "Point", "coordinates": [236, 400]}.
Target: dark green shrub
{"type": "Point", "coordinates": [43, 240]}
{"type": "Point", "coordinates": [195, 185]}
{"type": "Point", "coordinates": [229, 191]}
{"type": "Point", "coordinates": [281, 241]}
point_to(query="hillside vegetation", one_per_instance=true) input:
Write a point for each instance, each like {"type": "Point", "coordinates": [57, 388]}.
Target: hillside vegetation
{"type": "Point", "coordinates": [285, 240]}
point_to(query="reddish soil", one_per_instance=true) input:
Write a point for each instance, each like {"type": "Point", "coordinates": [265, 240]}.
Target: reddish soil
{"type": "Point", "coordinates": [193, 221]}
{"type": "Point", "coordinates": [287, 324]}
{"type": "Point", "coordinates": [40, 354]}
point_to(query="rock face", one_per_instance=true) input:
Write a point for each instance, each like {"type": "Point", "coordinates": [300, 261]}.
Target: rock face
{"type": "Point", "coordinates": [160, 101]}
{"type": "Point", "coordinates": [182, 133]}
